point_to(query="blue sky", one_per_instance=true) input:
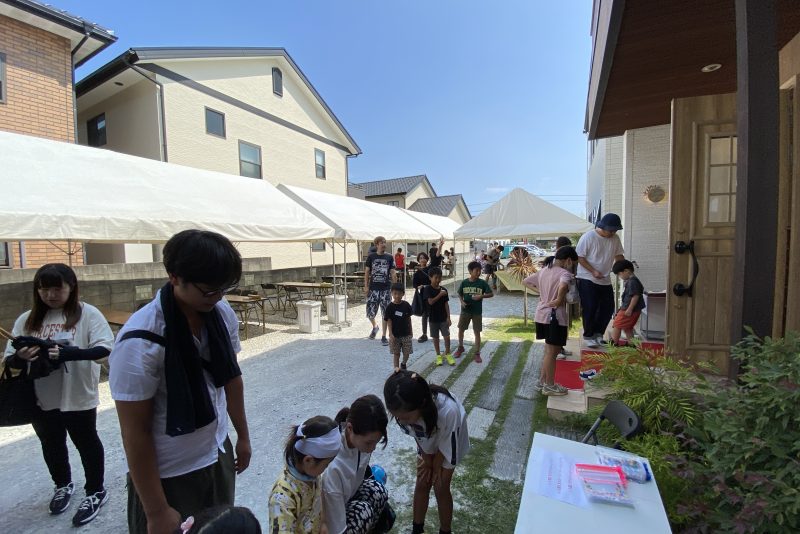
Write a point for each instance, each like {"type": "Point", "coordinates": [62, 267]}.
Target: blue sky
{"type": "Point", "coordinates": [480, 96]}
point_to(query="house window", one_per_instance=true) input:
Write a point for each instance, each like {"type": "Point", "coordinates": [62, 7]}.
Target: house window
{"type": "Point", "coordinates": [96, 129]}
{"type": "Point", "coordinates": [5, 258]}
{"type": "Point", "coordinates": [721, 181]}
{"type": "Point", "coordinates": [318, 246]}
{"type": "Point", "coordinates": [395, 203]}
{"type": "Point", "coordinates": [215, 123]}
{"type": "Point", "coordinates": [277, 81]}
{"type": "Point", "coordinates": [319, 163]}
{"type": "Point", "coordinates": [3, 88]}
{"type": "Point", "coordinates": [249, 160]}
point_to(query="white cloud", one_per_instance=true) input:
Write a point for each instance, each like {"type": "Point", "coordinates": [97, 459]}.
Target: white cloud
{"type": "Point", "coordinates": [498, 189]}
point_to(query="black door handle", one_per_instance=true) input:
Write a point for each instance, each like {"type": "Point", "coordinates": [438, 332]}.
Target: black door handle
{"type": "Point", "coordinates": [679, 289]}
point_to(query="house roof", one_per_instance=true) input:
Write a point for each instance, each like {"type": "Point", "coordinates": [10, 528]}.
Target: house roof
{"type": "Point", "coordinates": [393, 186]}
{"type": "Point", "coordinates": [154, 54]}
{"type": "Point", "coordinates": [443, 206]}
{"type": "Point", "coordinates": [86, 38]}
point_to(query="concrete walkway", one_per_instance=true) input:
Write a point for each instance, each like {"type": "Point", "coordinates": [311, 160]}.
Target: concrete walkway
{"type": "Point", "coordinates": [289, 377]}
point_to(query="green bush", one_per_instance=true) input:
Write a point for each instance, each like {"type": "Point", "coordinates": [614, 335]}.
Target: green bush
{"type": "Point", "coordinates": [657, 386]}
{"type": "Point", "coordinates": [750, 442]}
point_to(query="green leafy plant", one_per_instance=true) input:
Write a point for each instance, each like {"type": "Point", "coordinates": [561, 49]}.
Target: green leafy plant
{"type": "Point", "coordinates": [658, 387]}
{"type": "Point", "coordinates": [750, 441]}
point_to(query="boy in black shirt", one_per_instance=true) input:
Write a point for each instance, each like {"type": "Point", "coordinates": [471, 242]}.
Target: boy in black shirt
{"type": "Point", "coordinates": [632, 301]}
{"type": "Point", "coordinates": [438, 314]}
{"type": "Point", "coordinates": [398, 317]}
{"type": "Point", "coordinates": [421, 278]}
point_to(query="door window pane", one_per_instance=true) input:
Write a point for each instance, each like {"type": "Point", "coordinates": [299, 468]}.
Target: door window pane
{"type": "Point", "coordinates": [718, 180]}
{"type": "Point", "coordinates": [720, 150]}
{"type": "Point", "coordinates": [718, 208]}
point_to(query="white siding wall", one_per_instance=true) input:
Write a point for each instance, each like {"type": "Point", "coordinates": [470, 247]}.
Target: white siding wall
{"type": "Point", "coordinates": [646, 162]}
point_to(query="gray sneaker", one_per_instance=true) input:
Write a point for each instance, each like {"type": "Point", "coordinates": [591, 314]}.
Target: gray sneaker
{"type": "Point", "coordinates": [556, 390]}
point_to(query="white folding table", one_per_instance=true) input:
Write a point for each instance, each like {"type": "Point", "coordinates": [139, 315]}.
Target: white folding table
{"type": "Point", "coordinates": [538, 513]}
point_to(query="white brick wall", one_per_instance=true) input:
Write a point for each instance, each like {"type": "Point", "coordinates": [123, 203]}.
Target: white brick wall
{"type": "Point", "coordinates": [646, 162]}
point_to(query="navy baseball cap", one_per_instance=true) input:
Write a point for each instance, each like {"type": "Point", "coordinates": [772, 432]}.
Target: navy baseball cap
{"type": "Point", "coordinates": [610, 222]}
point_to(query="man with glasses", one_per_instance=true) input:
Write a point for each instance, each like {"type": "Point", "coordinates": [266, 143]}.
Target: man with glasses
{"type": "Point", "coordinates": [379, 275]}
{"type": "Point", "coordinates": [175, 380]}
{"type": "Point", "coordinates": [598, 250]}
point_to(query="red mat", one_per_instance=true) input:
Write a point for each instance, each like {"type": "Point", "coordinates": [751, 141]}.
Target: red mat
{"type": "Point", "coordinates": [567, 374]}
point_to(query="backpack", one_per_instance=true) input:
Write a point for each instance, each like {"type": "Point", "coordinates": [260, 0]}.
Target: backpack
{"type": "Point", "coordinates": [418, 303]}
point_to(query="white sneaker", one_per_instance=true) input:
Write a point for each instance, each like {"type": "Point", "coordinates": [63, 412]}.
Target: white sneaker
{"type": "Point", "coordinates": [561, 356]}
{"type": "Point", "coordinates": [591, 342]}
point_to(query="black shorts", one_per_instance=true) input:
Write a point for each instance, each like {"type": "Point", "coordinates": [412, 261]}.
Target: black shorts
{"type": "Point", "coordinates": [489, 269]}
{"type": "Point", "coordinates": [552, 335]}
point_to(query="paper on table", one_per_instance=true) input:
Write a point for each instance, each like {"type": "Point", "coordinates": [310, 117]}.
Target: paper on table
{"type": "Point", "coordinates": [557, 477]}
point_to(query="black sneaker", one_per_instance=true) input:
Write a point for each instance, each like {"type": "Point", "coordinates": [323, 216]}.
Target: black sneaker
{"type": "Point", "coordinates": [422, 339]}
{"type": "Point", "coordinates": [373, 332]}
{"type": "Point", "coordinates": [60, 500]}
{"type": "Point", "coordinates": [89, 507]}
{"type": "Point", "coordinates": [403, 366]}
{"type": "Point", "coordinates": [384, 341]}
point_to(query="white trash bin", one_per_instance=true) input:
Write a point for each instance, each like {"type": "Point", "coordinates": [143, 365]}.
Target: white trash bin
{"type": "Point", "coordinates": [335, 304]}
{"type": "Point", "coordinates": [308, 315]}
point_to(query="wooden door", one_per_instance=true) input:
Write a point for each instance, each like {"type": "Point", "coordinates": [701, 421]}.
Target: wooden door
{"type": "Point", "coordinates": [703, 217]}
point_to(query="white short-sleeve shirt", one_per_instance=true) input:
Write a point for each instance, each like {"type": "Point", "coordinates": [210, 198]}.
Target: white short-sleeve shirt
{"type": "Point", "coordinates": [451, 436]}
{"type": "Point", "coordinates": [600, 252]}
{"type": "Point", "coordinates": [73, 386]}
{"type": "Point", "coordinates": [137, 374]}
{"type": "Point", "coordinates": [340, 482]}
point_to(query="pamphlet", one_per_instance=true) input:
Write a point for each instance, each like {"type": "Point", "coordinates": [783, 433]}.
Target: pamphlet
{"type": "Point", "coordinates": [558, 478]}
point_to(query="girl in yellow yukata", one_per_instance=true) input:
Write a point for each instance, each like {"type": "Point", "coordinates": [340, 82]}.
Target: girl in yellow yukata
{"type": "Point", "coordinates": [295, 503]}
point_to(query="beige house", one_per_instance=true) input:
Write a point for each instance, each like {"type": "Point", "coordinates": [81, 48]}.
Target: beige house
{"type": "Point", "coordinates": [245, 111]}
{"type": "Point", "coordinates": [413, 193]}
{"type": "Point", "coordinates": [40, 46]}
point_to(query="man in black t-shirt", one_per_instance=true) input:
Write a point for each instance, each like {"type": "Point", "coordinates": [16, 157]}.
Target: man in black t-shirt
{"type": "Point", "coordinates": [379, 276]}
{"type": "Point", "coordinates": [436, 255]}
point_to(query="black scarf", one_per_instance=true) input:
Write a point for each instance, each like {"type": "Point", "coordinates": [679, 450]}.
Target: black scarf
{"type": "Point", "coordinates": [189, 405]}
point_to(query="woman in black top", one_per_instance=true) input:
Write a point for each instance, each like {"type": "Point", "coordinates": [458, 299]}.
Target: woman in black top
{"type": "Point", "coordinates": [421, 278]}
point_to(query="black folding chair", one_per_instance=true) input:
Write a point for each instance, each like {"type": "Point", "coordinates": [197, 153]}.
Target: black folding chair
{"type": "Point", "coordinates": [272, 294]}
{"type": "Point", "coordinates": [292, 295]}
{"type": "Point", "coordinates": [621, 416]}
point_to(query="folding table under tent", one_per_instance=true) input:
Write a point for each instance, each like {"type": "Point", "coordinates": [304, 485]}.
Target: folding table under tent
{"type": "Point", "coordinates": [357, 220]}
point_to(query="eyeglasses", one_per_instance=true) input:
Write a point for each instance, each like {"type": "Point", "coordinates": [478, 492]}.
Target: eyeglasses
{"type": "Point", "coordinates": [220, 291]}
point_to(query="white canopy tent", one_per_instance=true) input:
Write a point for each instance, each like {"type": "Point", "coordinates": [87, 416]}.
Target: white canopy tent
{"type": "Point", "coordinates": [60, 191]}
{"type": "Point", "coordinates": [354, 219]}
{"type": "Point", "coordinates": [521, 214]}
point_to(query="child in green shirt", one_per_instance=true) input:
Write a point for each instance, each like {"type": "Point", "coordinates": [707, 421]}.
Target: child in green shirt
{"type": "Point", "coordinates": [471, 293]}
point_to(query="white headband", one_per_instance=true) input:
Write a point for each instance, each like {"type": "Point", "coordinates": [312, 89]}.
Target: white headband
{"type": "Point", "coordinates": [326, 446]}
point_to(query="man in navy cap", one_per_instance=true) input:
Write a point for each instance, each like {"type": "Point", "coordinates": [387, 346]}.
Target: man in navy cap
{"type": "Point", "coordinates": [597, 250]}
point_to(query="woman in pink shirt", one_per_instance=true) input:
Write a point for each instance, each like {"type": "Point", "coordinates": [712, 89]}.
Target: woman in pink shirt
{"type": "Point", "coordinates": [551, 314]}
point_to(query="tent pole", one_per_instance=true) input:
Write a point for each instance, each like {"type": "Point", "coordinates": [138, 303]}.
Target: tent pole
{"type": "Point", "coordinates": [311, 259]}
{"type": "Point", "coordinates": [344, 272]}
{"type": "Point", "coordinates": [405, 263]}
{"type": "Point", "coordinates": [335, 326]}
